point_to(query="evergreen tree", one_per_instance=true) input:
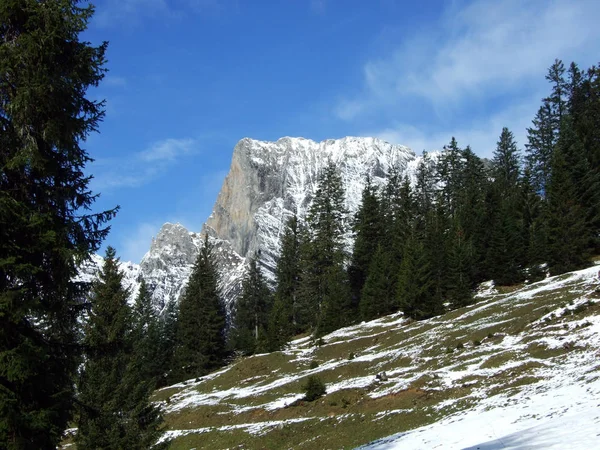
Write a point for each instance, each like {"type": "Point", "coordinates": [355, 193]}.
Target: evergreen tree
{"type": "Point", "coordinates": [115, 409]}
{"type": "Point", "coordinates": [415, 289]}
{"type": "Point", "coordinates": [287, 276]}
{"type": "Point", "coordinates": [147, 337]}
{"type": "Point", "coordinates": [252, 313]}
{"type": "Point", "coordinates": [377, 297]}
{"type": "Point", "coordinates": [568, 236]}
{"type": "Point", "coordinates": [506, 256]}
{"type": "Point", "coordinates": [541, 140]}
{"type": "Point", "coordinates": [201, 321]}
{"type": "Point", "coordinates": [167, 342]}
{"type": "Point", "coordinates": [460, 263]}
{"type": "Point", "coordinates": [45, 231]}
{"type": "Point", "coordinates": [368, 229]}
{"type": "Point", "coordinates": [323, 256]}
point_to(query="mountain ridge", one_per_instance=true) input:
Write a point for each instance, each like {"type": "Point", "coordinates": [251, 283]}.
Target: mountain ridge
{"type": "Point", "coordinates": [268, 182]}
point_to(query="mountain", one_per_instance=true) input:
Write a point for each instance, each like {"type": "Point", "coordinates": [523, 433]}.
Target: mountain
{"type": "Point", "coordinates": [266, 184]}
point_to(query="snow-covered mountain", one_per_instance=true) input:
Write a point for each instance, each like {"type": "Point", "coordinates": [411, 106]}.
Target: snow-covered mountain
{"type": "Point", "coordinates": [267, 183]}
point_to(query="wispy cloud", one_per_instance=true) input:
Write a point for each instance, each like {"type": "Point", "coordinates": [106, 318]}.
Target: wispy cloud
{"type": "Point", "coordinates": [486, 45]}
{"type": "Point", "coordinates": [481, 134]}
{"type": "Point", "coordinates": [490, 54]}
{"type": "Point", "coordinates": [114, 81]}
{"type": "Point", "coordinates": [142, 167]}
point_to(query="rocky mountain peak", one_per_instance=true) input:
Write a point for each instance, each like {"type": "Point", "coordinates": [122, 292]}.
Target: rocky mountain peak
{"type": "Point", "coordinates": [266, 184]}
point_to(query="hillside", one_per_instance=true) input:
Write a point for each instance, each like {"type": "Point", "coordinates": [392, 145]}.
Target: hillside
{"type": "Point", "coordinates": [516, 359]}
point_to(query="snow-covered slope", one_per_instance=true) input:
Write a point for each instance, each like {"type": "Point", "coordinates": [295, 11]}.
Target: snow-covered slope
{"type": "Point", "coordinates": [266, 184]}
{"type": "Point", "coordinates": [515, 370]}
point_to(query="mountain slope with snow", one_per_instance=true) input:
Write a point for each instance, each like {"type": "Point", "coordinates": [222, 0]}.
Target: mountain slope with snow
{"type": "Point", "coordinates": [267, 183]}
{"type": "Point", "coordinates": [498, 374]}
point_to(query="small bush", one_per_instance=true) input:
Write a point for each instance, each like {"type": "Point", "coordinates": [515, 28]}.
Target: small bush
{"type": "Point", "coordinates": [449, 350]}
{"type": "Point", "coordinates": [313, 364]}
{"type": "Point", "coordinates": [490, 335]}
{"type": "Point", "coordinates": [345, 403]}
{"type": "Point", "coordinates": [314, 388]}
{"type": "Point", "coordinates": [476, 342]}
{"type": "Point", "coordinates": [460, 346]}
{"type": "Point", "coordinates": [351, 356]}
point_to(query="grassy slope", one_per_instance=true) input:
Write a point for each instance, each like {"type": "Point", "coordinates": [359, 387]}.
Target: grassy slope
{"type": "Point", "coordinates": [507, 342]}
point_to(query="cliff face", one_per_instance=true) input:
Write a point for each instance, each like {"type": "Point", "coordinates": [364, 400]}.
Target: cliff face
{"type": "Point", "coordinates": [267, 183]}
{"type": "Point", "coordinates": [270, 181]}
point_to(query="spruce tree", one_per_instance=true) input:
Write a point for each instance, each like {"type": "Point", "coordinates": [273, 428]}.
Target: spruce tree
{"type": "Point", "coordinates": [415, 289]}
{"type": "Point", "coordinates": [115, 410]}
{"type": "Point", "coordinates": [368, 229]}
{"type": "Point", "coordinates": [201, 321]}
{"type": "Point", "coordinates": [147, 337]}
{"type": "Point", "coordinates": [323, 256]}
{"type": "Point", "coordinates": [377, 298]}
{"type": "Point", "coordinates": [167, 342]}
{"type": "Point", "coordinates": [287, 275]}
{"type": "Point", "coordinates": [541, 140]}
{"type": "Point", "coordinates": [45, 228]}
{"type": "Point", "coordinates": [460, 268]}
{"type": "Point", "coordinates": [506, 256]}
{"type": "Point", "coordinates": [568, 233]}
{"type": "Point", "coordinates": [252, 313]}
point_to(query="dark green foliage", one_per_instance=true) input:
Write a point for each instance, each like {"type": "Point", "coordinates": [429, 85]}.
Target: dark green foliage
{"type": "Point", "coordinates": [314, 388]}
{"type": "Point", "coordinates": [201, 322]}
{"type": "Point", "coordinates": [377, 297]}
{"type": "Point", "coordinates": [460, 267]}
{"type": "Point", "coordinates": [416, 293]}
{"type": "Point", "coordinates": [148, 348]}
{"type": "Point", "coordinates": [252, 313]}
{"type": "Point", "coordinates": [368, 230]}
{"type": "Point", "coordinates": [283, 322]}
{"type": "Point", "coordinates": [568, 239]}
{"type": "Point", "coordinates": [324, 295]}
{"type": "Point", "coordinates": [168, 342]}
{"type": "Point", "coordinates": [45, 232]}
{"type": "Point", "coordinates": [115, 411]}
{"type": "Point", "coordinates": [336, 307]}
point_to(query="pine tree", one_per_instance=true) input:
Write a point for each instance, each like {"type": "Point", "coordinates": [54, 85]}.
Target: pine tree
{"type": "Point", "coordinates": [167, 342]}
{"type": "Point", "coordinates": [147, 337]}
{"type": "Point", "coordinates": [460, 263]}
{"type": "Point", "coordinates": [506, 256]}
{"type": "Point", "coordinates": [201, 321]}
{"type": "Point", "coordinates": [287, 277]}
{"type": "Point", "coordinates": [115, 409]}
{"type": "Point", "coordinates": [377, 298]}
{"type": "Point", "coordinates": [415, 290]}
{"type": "Point", "coordinates": [568, 233]}
{"type": "Point", "coordinates": [323, 256]}
{"type": "Point", "coordinates": [368, 229]}
{"type": "Point", "coordinates": [541, 140]}
{"type": "Point", "coordinates": [45, 231]}
{"type": "Point", "coordinates": [252, 313]}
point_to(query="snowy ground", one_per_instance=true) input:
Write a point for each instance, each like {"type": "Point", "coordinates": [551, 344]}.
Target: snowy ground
{"type": "Point", "coordinates": [515, 383]}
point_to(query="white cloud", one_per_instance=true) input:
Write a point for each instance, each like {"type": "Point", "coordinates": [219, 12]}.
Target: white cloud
{"type": "Point", "coordinates": [114, 81]}
{"type": "Point", "coordinates": [481, 134]}
{"type": "Point", "coordinates": [167, 150]}
{"type": "Point", "coordinates": [484, 47]}
{"type": "Point", "coordinates": [142, 167]}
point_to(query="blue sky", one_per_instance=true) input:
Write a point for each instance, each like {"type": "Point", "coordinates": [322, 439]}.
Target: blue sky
{"type": "Point", "coordinates": [189, 78]}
